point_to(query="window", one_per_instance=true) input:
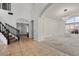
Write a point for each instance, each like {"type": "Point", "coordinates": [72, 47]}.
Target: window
{"type": "Point", "coordinates": [72, 25]}
{"type": "Point", "coordinates": [5, 6]}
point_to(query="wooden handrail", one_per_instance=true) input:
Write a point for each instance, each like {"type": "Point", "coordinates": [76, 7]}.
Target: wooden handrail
{"type": "Point", "coordinates": [13, 28]}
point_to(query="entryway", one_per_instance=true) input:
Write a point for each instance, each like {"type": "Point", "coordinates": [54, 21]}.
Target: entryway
{"type": "Point", "coordinates": [24, 29]}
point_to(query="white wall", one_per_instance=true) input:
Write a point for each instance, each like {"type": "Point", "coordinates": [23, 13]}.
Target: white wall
{"type": "Point", "coordinates": [19, 10]}
{"type": "Point", "coordinates": [30, 29]}
{"type": "Point", "coordinates": [5, 17]}
{"type": "Point", "coordinates": [49, 28]}
{"type": "Point", "coordinates": [3, 40]}
{"type": "Point", "coordinates": [35, 28]}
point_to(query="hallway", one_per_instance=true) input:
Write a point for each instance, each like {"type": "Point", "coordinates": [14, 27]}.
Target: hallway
{"type": "Point", "coordinates": [29, 47]}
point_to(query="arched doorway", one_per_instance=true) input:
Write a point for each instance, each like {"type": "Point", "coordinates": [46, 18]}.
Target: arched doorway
{"type": "Point", "coordinates": [24, 28]}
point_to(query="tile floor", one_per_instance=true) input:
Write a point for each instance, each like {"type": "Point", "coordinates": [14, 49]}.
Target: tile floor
{"type": "Point", "coordinates": [67, 45]}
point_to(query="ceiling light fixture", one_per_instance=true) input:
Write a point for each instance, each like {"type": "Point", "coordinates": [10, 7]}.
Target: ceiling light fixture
{"type": "Point", "coordinates": [65, 10]}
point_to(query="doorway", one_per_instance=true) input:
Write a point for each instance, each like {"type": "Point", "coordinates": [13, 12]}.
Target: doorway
{"type": "Point", "coordinates": [24, 29]}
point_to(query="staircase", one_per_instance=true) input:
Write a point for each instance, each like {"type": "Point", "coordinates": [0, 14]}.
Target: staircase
{"type": "Point", "coordinates": [9, 32]}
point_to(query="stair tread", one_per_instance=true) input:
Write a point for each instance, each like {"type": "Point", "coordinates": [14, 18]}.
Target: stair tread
{"type": "Point", "coordinates": [7, 33]}
{"type": "Point", "coordinates": [11, 38]}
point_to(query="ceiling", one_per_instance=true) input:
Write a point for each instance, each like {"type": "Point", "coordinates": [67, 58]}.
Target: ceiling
{"type": "Point", "coordinates": [38, 8]}
{"type": "Point", "coordinates": [57, 10]}
{"type": "Point", "coordinates": [49, 10]}
{"type": "Point", "coordinates": [28, 10]}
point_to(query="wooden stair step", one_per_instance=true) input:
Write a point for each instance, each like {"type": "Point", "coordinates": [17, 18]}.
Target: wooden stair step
{"type": "Point", "coordinates": [11, 38]}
